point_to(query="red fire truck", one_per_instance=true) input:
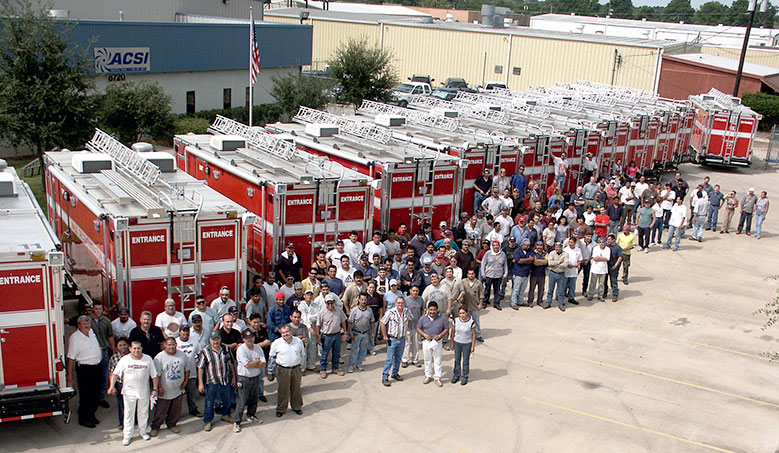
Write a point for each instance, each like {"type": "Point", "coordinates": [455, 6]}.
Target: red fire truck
{"type": "Point", "coordinates": [297, 197]}
{"type": "Point", "coordinates": [135, 231]}
{"type": "Point", "coordinates": [32, 351]}
{"type": "Point", "coordinates": [415, 185]}
{"type": "Point", "coordinates": [724, 130]}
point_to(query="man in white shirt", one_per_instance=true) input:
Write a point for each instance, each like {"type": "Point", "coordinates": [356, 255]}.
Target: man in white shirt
{"type": "Point", "coordinates": [561, 168]}
{"type": "Point", "coordinates": [135, 369]}
{"type": "Point", "coordinates": [599, 269]}
{"type": "Point", "coordinates": [191, 346]}
{"type": "Point", "coordinates": [123, 324]}
{"type": "Point", "coordinates": [334, 255]}
{"type": "Point", "coordinates": [346, 272]}
{"type": "Point", "coordinates": [575, 259]}
{"type": "Point", "coordinates": [496, 234]}
{"type": "Point", "coordinates": [83, 361]}
{"type": "Point", "coordinates": [221, 304]}
{"type": "Point", "coordinates": [288, 351]}
{"type": "Point", "coordinates": [676, 223]}
{"type": "Point", "coordinates": [353, 249]}
{"type": "Point", "coordinates": [628, 199]}
{"type": "Point", "coordinates": [700, 209]}
{"type": "Point", "coordinates": [641, 187]}
{"type": "Point", "coordinates": [505, 220]}
{"type": "Point", "coordinates": [168, 316]}
{"type": "Point", "coordinates": [174, 371]}
{"type": "Point", "coordinates": [250, 360]}
{"type": "Point", "coordinates": [375, 246]}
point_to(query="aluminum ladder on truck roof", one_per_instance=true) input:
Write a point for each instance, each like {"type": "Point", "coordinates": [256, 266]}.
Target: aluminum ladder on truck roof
{"type": "Point", "coordinates": [151, 186]}
{"type": "Point", "coordinates": [360, 129]}
{"type": "Point", "coordinates": [417, 117]}
{"type": "Point", "coordinates": [260, 140]}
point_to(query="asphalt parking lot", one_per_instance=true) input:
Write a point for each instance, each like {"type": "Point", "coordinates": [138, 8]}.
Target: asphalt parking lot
{"type": "Point", "coordinates": [675, 365]}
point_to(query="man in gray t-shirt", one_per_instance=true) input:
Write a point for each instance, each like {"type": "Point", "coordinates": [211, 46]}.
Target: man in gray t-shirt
{"type": "Point", "coordinates": [361, 326]}
{"type": "Point", "coordinates": [173, 367]}
{"type": "Point", "coordinates": [329, 323]}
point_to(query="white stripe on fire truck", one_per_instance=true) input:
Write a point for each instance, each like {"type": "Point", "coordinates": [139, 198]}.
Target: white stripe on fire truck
{"type": "Point", "coordinates": [305, 228]}
{"type": "Point", "coordinates": [739, 135]}
{"type": "Point", "coordinates": [161, 271]}
{"type": "Point", "coordinates": [23, 318]}
{"type": "Point", "coordinates": [399, 203]}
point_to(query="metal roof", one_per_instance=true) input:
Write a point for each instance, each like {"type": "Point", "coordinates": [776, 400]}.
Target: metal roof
{"type": "Point", "coordinates": [23, 226]}
{"type": "Point", "coordinates": [467, 27]}
{"type": "Point", "coordinates": [651, 24]}
{"type": "Point", "coordinates": [727, 64]}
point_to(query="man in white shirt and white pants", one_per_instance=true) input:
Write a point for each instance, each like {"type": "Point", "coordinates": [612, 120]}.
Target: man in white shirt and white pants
{"type": "Point", "coordinates": [135, 369]}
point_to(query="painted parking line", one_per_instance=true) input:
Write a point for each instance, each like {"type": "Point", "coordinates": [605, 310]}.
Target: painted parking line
{"type": "Point", "coordinates": [676, 381]}
{"type": "Point", "coordinates": [626, 425]}
{"type": "Point", "coordinates": [697, 343]}
{"type": "Point", "coordinates": [721, 313]}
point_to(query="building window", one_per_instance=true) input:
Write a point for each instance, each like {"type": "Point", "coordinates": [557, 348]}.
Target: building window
{"type": "Point", "coordinates": [498, 69]}
{"type": "Point", "coordinates": [227, 98]}
{"type": "Point", "coordinates": [517, 70]}
{"type": "Point", "coordinates": [190, 102]}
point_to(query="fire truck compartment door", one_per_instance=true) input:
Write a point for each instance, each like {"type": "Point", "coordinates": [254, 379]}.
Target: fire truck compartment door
{"type": "Point", "coordinates": [25, 335]}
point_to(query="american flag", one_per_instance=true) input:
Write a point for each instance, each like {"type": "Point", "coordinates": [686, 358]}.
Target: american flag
{"type": "Point", "coordinates": [254, 64]}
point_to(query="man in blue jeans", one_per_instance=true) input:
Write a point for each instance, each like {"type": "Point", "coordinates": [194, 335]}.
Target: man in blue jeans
{"type": "Point", "coordinates": [523, 261]}
{"type": "Point", "coordinates": [216, 378]}
{"type": "Point", "coordinates": [715, 202]}
{"type": "Point", "coordinates": [330, 322]}
{"type": "Point", "coordinates": [558, 264]}
{"type": "Point", "coordinates": [615, 261]}
{"type": "Point", "coordinates": [394, 325]}
{"type": "Point", "coordinates": [481, 189]}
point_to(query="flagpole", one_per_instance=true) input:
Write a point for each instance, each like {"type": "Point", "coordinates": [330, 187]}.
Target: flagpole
{"type": "Point", "coordinates": [251, 88]}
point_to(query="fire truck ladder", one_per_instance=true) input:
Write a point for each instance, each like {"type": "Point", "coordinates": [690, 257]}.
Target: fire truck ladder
{"type": "Point", "coordinates": [356, 128]}
{"type": "Point", "coordinates": [151, 192]}
{"type": "Point", "coordinates": [415, 117]}
{"type": "Point", "coordinates": [255, 137]}
{"type": "Point", "coordinates": [730, 136]}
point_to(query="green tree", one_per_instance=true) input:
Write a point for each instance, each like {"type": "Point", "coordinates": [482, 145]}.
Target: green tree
{"type": "Point", "coordinates": [45, 94]}
{"type": "Point", "coordinates": [621, 9]}
{"type": "Point", "coordinates": [678, 10]}
{"type": "Point", "coordinates": [293, 90]}
{"type": "Point", "coordinates": [363, 72]}
{"type": "Point", "coordinates": [712, 13]}
{"type": "Point", "coordinates": [132, 112]}
{"type": "Point", "coordinates": [648, 12]}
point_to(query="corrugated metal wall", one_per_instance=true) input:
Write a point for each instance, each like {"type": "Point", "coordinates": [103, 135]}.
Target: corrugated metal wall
{"type": "Point", "coordinates": [153, 10]}
{"type": "Point", "coordinates": [479, 57]}
{"type": "Point", "coordinates": [767, 57]}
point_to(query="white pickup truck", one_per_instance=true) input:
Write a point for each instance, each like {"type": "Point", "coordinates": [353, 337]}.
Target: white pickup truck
{"type": "Point", "coordinates": [403, 92]}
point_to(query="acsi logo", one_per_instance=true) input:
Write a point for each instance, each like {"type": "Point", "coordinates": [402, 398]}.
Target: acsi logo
{"type": "Point", "coordinates": [148, 239]}
{"type": "Point", "coordinates": [402, 178]}
{"type": "Point", "coordinates": [121, 59]}
{"type": "Point", "coordinates": [444, 176]}
{"type": "Point", "coordinates": [300, 202]}
{"type": "Point", "coordinates": [20, 279]}
{"type": "Point", "coordinates": [353, 198]}
{"type": "Point", "coordinates": [217, 234]}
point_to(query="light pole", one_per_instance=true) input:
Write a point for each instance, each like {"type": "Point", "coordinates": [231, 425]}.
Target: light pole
{"type": "Point", "coordinates": [751, 9]}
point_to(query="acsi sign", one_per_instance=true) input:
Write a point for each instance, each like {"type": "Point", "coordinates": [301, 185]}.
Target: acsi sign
{"type": "Point", "coordinates": [121, 59]}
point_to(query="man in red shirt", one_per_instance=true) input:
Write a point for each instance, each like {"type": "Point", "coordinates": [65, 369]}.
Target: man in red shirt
{"type": "Point", "coordinates": [601, 224]}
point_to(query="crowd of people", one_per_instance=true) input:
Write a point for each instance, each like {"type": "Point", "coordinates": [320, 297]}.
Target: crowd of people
{"type": "Point", "coordinates": [416, 295]}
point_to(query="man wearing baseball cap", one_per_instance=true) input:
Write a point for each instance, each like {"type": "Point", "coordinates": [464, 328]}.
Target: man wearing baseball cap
{"type": "Point", "coordinates": [289, 263]}
{"type": "Point", "coordinates": [627, 240]}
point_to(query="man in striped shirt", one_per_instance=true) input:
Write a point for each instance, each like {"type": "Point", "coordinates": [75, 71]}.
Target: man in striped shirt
{"type": "Point", "coordinates": [394, 325]}
{"type": "Point", "coordinates": [216, 378]}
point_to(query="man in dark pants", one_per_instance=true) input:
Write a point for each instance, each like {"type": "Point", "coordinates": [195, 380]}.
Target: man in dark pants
{"type": "Point", "coordinates": [105, 338]}
{"type": "Point", "coordinates": [84, 356]}
{"type": "Point", "coordinates": [537, 274]}
{"type": "Point", "coordinates": [615, 261]}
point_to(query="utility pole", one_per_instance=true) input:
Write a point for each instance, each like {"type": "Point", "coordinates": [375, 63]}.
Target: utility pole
{"type": "Point", "coordinates": [751, 10]}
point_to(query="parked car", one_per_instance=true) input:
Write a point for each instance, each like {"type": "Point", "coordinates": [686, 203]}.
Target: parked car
{"type": "Point", "coordinates": [422, 78]}
{"type": "Point", "coordinates": [447, 94]}
{"type": "Point", "coordinates": [458, 84]}
{"type": "Point", "coordinates": [402, 93]}
{"type": "Point", "coordinates": [489, 86]}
